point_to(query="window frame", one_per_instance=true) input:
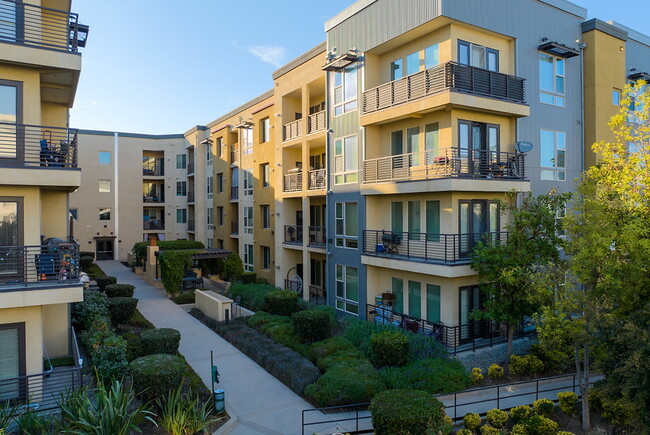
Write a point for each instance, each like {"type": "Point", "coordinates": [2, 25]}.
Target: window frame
{"type": "Point", "coordinates": [266, 257]}
{"type": "Point", "coordinates": [486, 55]}
{"type": "Point", "coordinates": [265, 175]}
{"type": "Point", "coordinates": [220, 182]}
{"type": "Point", "coordinates": [345, 105]}
{"type": "Point", "coordinates": [248, 182]}
{"type": "Point", "coordinates": [181, 215]}
{"type": "Point", "coordinates": [342, 239]}
{"type": "Point", "coordinates": [105, 181]}
{"type": "Point", "coordinates": [181, 161]}
{"type": "Point", "coordinates": [246, 140]}
{"type": "Point", "coordinates": [343, 302]}
{"type": "Point", "coordinates": [558, 97]}
{"type": "Point", "coordinates": [209, 188]}
{"type": "Point", "coordinates": [265, 130]}
{"type": "Point", "coordinates": [220, 215]}
{"type": "Point", "coordinates": [104, 210]}
{"type": "Point", "coordinates": [249, 257]}
{"type": "Point", "coordinates": [104, 153]}
{"type": "Point", "coordinates": [265, 211]}
{"type": "Point", "coordinates": [181, 188]}
{"type": "Point", "coordinates": [559, 172]}
{"type": "Point", "coordinates": [248, 215]}
{"type": "Point", "coordinates": [344, 176]}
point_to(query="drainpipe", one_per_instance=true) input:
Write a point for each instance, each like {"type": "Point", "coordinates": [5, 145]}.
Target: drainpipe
{"type": "Point", "coordinates": [116, 243]}
{"type": "Point", "coordinates": [582, 47]}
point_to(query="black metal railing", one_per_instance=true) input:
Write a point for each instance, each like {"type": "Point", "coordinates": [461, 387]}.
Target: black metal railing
{"type": "Point", "coordinates": [317, 295]}
{"type": "Point", "coordinates": [153, 224]}
{"type": "Point", "coordinates": [437, 248]}
{"type": "Point", "coordinates": [296, 286]}
{"type": "Point", "coordinates": [190, 168]}
{"type": "Point", "coordinates": [234, 193]}
{"type": "Point", "coordinates": [234, 156]}
{"type": "Point", "coordinates": [234, 227]}
{"type": "Point", "coordinates": [154, 196]}
{"type": "Point", "coordinates": [191, 225]}
{"type": "Point", "coordinates": [153, 170]}
{"type": "Point", "coordinates": [317, 179]}
{"type": "Point", "coordinates": [317, 236]}
{"type": "Point", "coordinates": [349, 419]}
{"type": "Point", "coordinates": [37, 26]}
{"type": "Point", "coordinates": [190, 196]}
{"type": "Point", "coordinates": [54, 264]}
{"type": "Point", "coordinates": [293, 234]}
{"type": "Point", "coordinates": [37, 146]}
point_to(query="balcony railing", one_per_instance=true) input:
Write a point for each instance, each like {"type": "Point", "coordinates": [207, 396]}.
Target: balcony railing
{"type": "Point", "coordinates": [234, 228]}
{"type": "Point", "coordinates": [446, 163]}
{"type": "Point", "coordinates": [190, 168]}
{"type": "Point", "coordinates": [317, 179]}
{"type": "Point", "coordinates": [37, 146]}
{"type": "Point", "coordinates": [471, 336]}
{"type": "Point", "coordinates": [293, 234]}
{"type": "Point", "coordinates": [234, 156]}
{"type": "Point", "coordinates": [190, 196]}
{"type": "Point", "coordinates": [234, 193]}
{"type": "Point", "coordinates": [153, 170]}
{"type": "Point", "coordinates": [27, 266]}
{"type": "Point", "coordinates": [317, 236]}
{"type": "Point", "coordinates": [317, 295]}
{"type": "Point", "coordinates": [153, 198]}
{"type": "Point", "coordinates": [293, 182]}
{"type": "Point", "coordinates": [36, 26]}
{"type": "Point", "coordinates": [451, 76]}
{"type": "Point", "coordinates": [191, 225]}
{"type": "Point", "coordinates": [292, 130]}
{"type": "Point", "coordinates": [153, 224]}
{"type": "Point", "coordinates": [316, 122]}
{"type": "Point", "coordinates": [435, 248]}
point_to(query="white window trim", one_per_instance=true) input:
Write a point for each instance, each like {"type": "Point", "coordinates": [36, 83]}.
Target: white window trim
{"type": "Point", "coordinates": [344, 300]}
{"type": "Point", "coordinates": [344, 102]}
{"type": "Point", "coordinates": [344, 173]}
{"type": "Point", "coordinates": [554, 94]}
{"type": "Point", "coordinates": [344, 237]}
{"type": "Point", "coordinates": [556, 169]}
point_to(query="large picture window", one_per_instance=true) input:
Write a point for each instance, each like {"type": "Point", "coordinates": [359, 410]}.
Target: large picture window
{"type": "Point", "coordinates": [345, 90]}
{"type": "Point", "coordinates": [347, 230]}
{"type": "Point", "coordinates": [551, 80]}
{"type": "Point", "coordinates": [347, 289]}
{"type": "Point", "coordinates": [346, 160]}
{"type": "Point", "coordinates": [478, 56]}
{"type": "Point", "coordinates": [553, 155]}
{"type": "Point", "coordinates": [248, 220]}
{"type": "Point", "coordinates": [248, 258]}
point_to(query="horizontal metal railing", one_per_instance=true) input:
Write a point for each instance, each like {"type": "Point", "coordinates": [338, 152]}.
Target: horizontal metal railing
{"type": "Point", "coordinates": [37, 26]}
{"type": "Point", "coordinates": [293, 234]}
{"type": "Point", "coordinates": [153, 224]}
{"type": "Point", "coordinates": [292, 130]}
{"type": "Point", "coordinates": [446, 163]}
{"type": "Point", "coordinates": [37, 146]}
{"type": "Point", "coordinates": [317, 179]}
{"type": "Point", "coordinates": [22, 266]}
{"type": "Point", "coordinates": [317, 295]}
{"type": "Point", "coordinates": [190, 168]}
{"type": "Point", "coordinates": [449, 76]}
{"type": "Point", "coordinates": [234, 156]}
{"type": "Point", "coordinates": [438, 248]}
{"type": "Point", "coordinates": [191, 225]}
{"type": "Point", "coordinates": [234, 227]}
{"type": "Point", "coordinates": [234, 192]}
{"type": "Point", "coordinates": [155, 170]}
{"type": "Point", "coordinates": [316, 122]}
{"type": "Point", "coordinates": [317, 236]}
{"type": "Point", "coordinates": [293, 182]}
{"type": "Point", "coordinates": [190, 196]}
{"type": "Point", "coordinates": [154, 198]}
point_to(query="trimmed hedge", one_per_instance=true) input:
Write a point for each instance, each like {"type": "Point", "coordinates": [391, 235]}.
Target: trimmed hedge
{"type": "Point", "coordinates": [250, 296]}
{"type": "Point", "coordinates": [281, 302]}
{"type": "Point", "coordinates": [495, 371]}
{"type": "Point", "coordinates": [185, 298]}
{"type": "Point", "coordinates": [389, 349]}
{"type": "Point", "coordinates": [520, 413]}
{"type": "Point", "coordinates": [121, 309]}
{"type": "Point", "coordinates": [311, 325]}
{"type": "Point", "coordinates": [249, 277]}
{"type": "Point", "coordinates": [525, 365]}
{"type": "Point", "coordinates": [331, 346]}
{"type": "Point", "coordinates": [472, 421]}
{"type": "Point", "coordinates": [87, 254]}
{"type": "Point", "coordinates": [160, 341]}
{"type": "Point", "coordinates": [155, 375]}
{"type": "Point", "coordinates": [343, 356]}
{"type": "Point", "coordinates": [86, 262]}
{"type": "Point", "coordinates": [497, 418]}
{"type": "Point", "coordinates": [94, 305]}
{"type": "Point", "coordinates": [568, 401]}
{"type": "Point", "coordinates": [346, 383]}
{"type": "Point", "coordinates": [396, 412]}
{"type": "Point", "coordinates": [106, 350]}
{"type": "Point", "coordinates": [544, 407]}
{"type": "Point", "coordinates": [119, 290]}
{"type": "Point", "coordinates": [437, 375]}
{"type": "Point", "coordinates": [103, 281]}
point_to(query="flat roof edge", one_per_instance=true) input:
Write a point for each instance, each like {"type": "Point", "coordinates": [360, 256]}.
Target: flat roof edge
{"type": "Point", "coordinates": [303, 58]}
{"type": "Point", "coordinates": [567, 6]}
{"type": "Point", "coordinates": [132, 135]}
{"type": "Point", "coordinates": [596, 24]}
{"type": "Point", "coordinates": [346, 13]}
{"type": "Point", "coordinates": [632, 34]}
{"type": "Point", "coordinates": [254, 101]}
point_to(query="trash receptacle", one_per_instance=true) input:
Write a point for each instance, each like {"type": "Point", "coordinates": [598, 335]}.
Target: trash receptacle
{"type": "Point", "coordinates": [219, 400]}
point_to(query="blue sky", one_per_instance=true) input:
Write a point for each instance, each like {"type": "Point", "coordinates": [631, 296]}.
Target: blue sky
{"type": "Point", "coordinates": [163, 66]}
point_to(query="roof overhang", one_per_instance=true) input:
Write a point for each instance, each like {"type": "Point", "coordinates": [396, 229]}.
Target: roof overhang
{"type": "Point", "coordinates": [559, 50]}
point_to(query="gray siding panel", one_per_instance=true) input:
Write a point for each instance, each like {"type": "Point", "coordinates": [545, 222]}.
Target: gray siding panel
{"type": "Point", "coordinates": [637, 56]}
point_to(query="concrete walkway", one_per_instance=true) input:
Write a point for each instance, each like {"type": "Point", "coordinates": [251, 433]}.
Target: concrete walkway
{"type": "Point", "coordinates": [259, 402]}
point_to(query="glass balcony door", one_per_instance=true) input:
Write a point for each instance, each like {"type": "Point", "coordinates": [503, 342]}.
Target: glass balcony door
{"type": "Point", "coordinates": [11, 132]}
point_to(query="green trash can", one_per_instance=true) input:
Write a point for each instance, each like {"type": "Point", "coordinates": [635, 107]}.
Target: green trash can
{"type": "Point", "coordinates": [219, 400]}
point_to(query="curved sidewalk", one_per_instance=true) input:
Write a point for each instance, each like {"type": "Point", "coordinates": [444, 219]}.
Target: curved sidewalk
{"type": "Point", "coordinates": [258, 402]}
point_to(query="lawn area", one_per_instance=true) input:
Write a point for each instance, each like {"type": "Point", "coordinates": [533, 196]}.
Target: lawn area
{"type": "Point", "coordinates": [95, 271]}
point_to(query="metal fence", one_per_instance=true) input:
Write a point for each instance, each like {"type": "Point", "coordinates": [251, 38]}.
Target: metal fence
{"type": "Point", "coordinates": [38, 146]}
{"type": "Point", "coordinates": [55, 264]}
{"type": "Point", "coordinates": [293, 182]}
{"type": "Point", "coordinates": [317, 179]}
{"type": "Point", "coordinates": [317, 236]}
{"type": "Point", "coordinates": [316, 122]}
{"type": "Point", "coordinates": [292, 130]}
{"type": "Point", "coordinates": [293, 234]}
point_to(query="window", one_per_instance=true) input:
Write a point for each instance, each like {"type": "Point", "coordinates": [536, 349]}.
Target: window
{"type": "Point", "coordinates": [346, 160]}
{"type": "Point", "coordinates": [220, 216]}
{"type": "Point", "coordinates": [266, 217]}
{"type": "Point", "coordinates": [208, 154]}
{"type": "Point", "coordinates": [347, 289]}
{"type": "Point", "coordinates": [433, 221]}
{"type": "Point", "coordinates": [220, 182]}
{"type": "Point", "coordinates": [74, 212]}
{"type": "Point", "coordinates": [248, 220]}
{"type": "Point", "coordinates": [104, 186]}
{"type": "Point", "coordinates": [413, 63]}
{"type": "Point", "coordinates": [104, 157]}
{"type": "Point", "coordinates": [266, 258]}
{"type": "Point", "coordinates": [345, 90]}
{"type": "Point", "coordinates": [551, 80]}
{"type": "Point", "coordinates": [265, 175]}
{"type": "Point", "coordinates": [553, 152]}
{"type": "Point", "coordinates": [431, 56]}
{"type": "Point", "coordinates": [265, 130]}
{"type": "Point", "coordinates": [12, 358]}
{"type": "Point", "coordinates": [248, 182]}
{"type": "Point", "coordinates": [181, 161]}
{"type": "Point", "coordinates": [220, 243]}
{"type": "Point", "coordinates": [219, 146]}
{"type": "Point", "coordinates": [181, 215]}
{"type": "Point", "coordinates": [398, 292]}
{"type": "Point", "coordinates": [396, 70]}
{"type": "Point", "coordinates": [478, 56]}
{"type": "Point", "coordinates": [248, 258]}
{"type": "Point", "coordinates": [209, 217]}
{"type": "Point", "coordinates": [616, 97]}
{"type": "Point", "coordinates": [209, 187]}
{"type": "Point", "coordinates": [104, 214]}
{"type": "Point", "coordinates": [181, 188]}
{"type": "Point", "coordinates": [10, 110]}
{"type": "Point", "coordinates": [247, 140]}
{"type": "Point", "coordinates": [433, 303]}
{"type": "Point", "coordinates": [347, 233]}
{"type": "Point", "coordinates": [210, 243]}
{"type": "Point", "coordinates": [415, 297]}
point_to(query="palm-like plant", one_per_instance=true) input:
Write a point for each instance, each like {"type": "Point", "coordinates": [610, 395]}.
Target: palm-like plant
{"type": "Point", "coordinates": [182, 414]}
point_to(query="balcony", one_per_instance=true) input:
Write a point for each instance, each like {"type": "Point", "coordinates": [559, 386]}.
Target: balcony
{"type": "Point", "coordinates": [292, 130]}
{"type": "Point", "coordinates": [317, 179]}
{"type": "Point", "coordinates": [36, 26]}
{"type": "Point", "coordinates": [153, 170]}
{"type": "Point", "coordinates": [316, 122]}
{"type": "Point", "coordinates": [234, 228]}
{"type": "Point", "coordinates": [191, 225]}
{"type": "Point", "coordinates": [153, 224]}
{"type": "Point", "coordinates": [234, 193]}
{"type": "Point", "coordinates": [317, 295]}
{"type": "Point", "coordinates": [446, 249]}
{"type": "Point", "coordinates": [317, 236]}
{"type": "Point", "coordinates": [446, 163]}
{"type": "Point", "coordinates": [190, 196]}
{"type": "Point", "coordinates": [190, 168]}
{"type": "Point", "coordinates": [24, 267]}
{"type": "Point", "coordinates": [293, 234]}
{"type": "Point", "coordinates": [35, 146]}
{"type": "Point", "coordinates": [234, 157]}
{"type": "Point", "coordinates": [293, 182]}
{"type": "Point", "coordinates": [154, 198]}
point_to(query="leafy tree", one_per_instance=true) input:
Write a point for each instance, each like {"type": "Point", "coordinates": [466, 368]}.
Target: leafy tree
{"type": "Point", "coordinates": [233, 267]}
{"type": "Point", "coordinates": [507, 270]}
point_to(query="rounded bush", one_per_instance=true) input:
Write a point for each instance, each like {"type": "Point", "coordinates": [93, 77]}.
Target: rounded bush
{"type": "Point", "coordinates": [346, 383]}
{"type": "Point", "coordinates": [121, 309]}
{"type": "Point", "coordinates": [94, 305]}
{"type": "Point", "coordinates": [249, 277]}
{"type": "Point", "coordinates": [497, 418]}
{"type": "Point", "coordinates": [464, 432]}
{"type": "Point", "coordinates": [535, 365]}
{"type": "Point", "coordinates": [160, 340]}
{"type": "Point", "coordinates": [103, 281]}
{"type": "Point", "coordinates": [106, 350]}
{"type": "Point", "coordinates": [90, 254]}
{"type": "Point", "coordinates": [119, 290]}
{"type": "Point", "coordinates": [328, 361]}
{"type": "Point", "coordinates": [330, 346]}
{"type": "Point", "coordinates": [543, 407]}
{"type": "Point", "coordinates": [155, 375]}
{"type": "Point", "coordinates": [568, 400]}
{"type": "Point", "coordinates": [476, 375]}
{"type": "Point", "coordinates": [86, 262]}
{"type": "Point", "coordinates": [518, 429]}
{"type": "Point", "coordinates": [564, 432]}
{"type": "Point", "coordinates": [525, 365]}
{"type": "Point", "coordinates": [281, 302]}
{"type": "Point", "coordinates": [406, 411]}
{"type": "Point", "coordinates": [520, 413]}
{"type": "Point", "coordinates": [390, 348]}
{"type": "Point", "coordinates": [311, 325]}
{"type": "Point", "coordinates": [495, 371]}
{"type": "Point", "coordinates": [472, 421]}
{"type": "Point", "coordinates": [489, 430]}
{"type": "Point", "coordinates": [539, 425]}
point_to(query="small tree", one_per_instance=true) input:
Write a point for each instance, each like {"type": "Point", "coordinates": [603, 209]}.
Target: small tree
{"type": "Point", "coordinates": [507, 270]}
{"type": "Point", "coordinates": [172, 267]}
{"type": "Point", "coordinates": [233, 268]}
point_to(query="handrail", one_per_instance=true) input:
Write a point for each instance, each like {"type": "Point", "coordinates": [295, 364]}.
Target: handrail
{"type": "Point", "coordinates": [26, 266]}
{"type": "Point", "coordinates": [316, 122]}
{"type": "Point", "coordinates": [293, 234]}
{"type": "Point", "coordinates": [78, 360]}
{"type": "Point", "coordinates": [38, 146]}
{"type": "Point", "coordinates": [293, 182]}
{"type": "Point", "coordinates": [292, 130]}
{"type": "Point", "coordinates": [317, 179]}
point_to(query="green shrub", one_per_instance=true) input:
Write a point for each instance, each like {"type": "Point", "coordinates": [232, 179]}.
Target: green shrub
{"type": "Point", "coordinates": [489, 430]}
{"type": "Point", "coordinates": [119, 290]}
{"type": "Point", "coordinates": [520, 413]}
{"type": "Point", "coordinates": [406, 412]}
{"type": "Point", "coordinates": [464, 432]}
{"type": "Point", "coordinates": [107, 351]}
{"type": "Point", "coordinates": [183, 414]}
{"type": "Point", "coordinates": [497, 418]}
{"type": "Point", "coordinates": [525, 365]}
{"type": "Point", "coordinates": [172, 268]}
{"type": "Point", "coordinates": [564, 432]}
{"type": "Point", "coordinates": [518, 429]}
{"type": "Point", "coordinates": [281, 302]}
{"type": "Point", "coordinates": [103, 281]}
{"type": "Point", "coordinates": [338, 357]}
{"type": "Point", "coordinates": [476, 375]}
{"type": "Point", "coordinates": [617, 410]}
{"type": "Point", "coordinates": [437, 375]}
{"type": "Point", "coordinates": [330, 346]}
{"type": "Point", "coordinates": [389, 349]}
{"type": "Point", "coordinates": [185, 298]}
{"type": "Point", "coordinates": [139, 321]}
{"type": "Point", "coordinates": [281, 330]}
{"type": "Point", "coordinates": [568, 401]}
{"type": "Point", "coordinates": [472, 421]}
{"type": "Point", "coordinates": [539, 425]}
{"type": "Point", "coordinates": [233, 268]}
{"type": "Point", "coordinates": [249, 277]}
{"type": "Point", "coordinates": [495, 371]}
{"type": "Point", "coordinates": [311, 325]}
{"type": "Point", "coordinates": [86, 262]}
{"type": "Point", "coordinates": [345, 383]}
{"type": "Point", "coordinates": [121, 309]}
{"type": "Point", "coordinates": [250, 296]}
{"type": "Point", "coordinates": [133, 345]}
{"type": "Point", "coordinates": [90, 254]}
{"type": "Point", "coordinates": [94, 305]}
{"type": "Point", "coordinates": [155, 375]}
{"type": "Point", "coordinates": [160, 340]}
{"type": "Point", "coordinates": [544, 407]}
{"type": "Point", "coordinates": [259, 319]}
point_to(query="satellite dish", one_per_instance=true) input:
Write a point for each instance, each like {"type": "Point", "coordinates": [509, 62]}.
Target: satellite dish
{"type": "Point", "coordinates": [524, 147]}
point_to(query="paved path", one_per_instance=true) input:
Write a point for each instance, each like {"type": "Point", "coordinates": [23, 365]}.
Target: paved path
{"type": "Point", "coordinates": [261, 403]}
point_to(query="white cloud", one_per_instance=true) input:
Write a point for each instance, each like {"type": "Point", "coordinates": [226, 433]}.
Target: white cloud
{"type": "Point", "coordinates": [269, 53]}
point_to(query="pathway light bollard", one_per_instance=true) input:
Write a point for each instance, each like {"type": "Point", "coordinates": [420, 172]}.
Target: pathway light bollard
{"type": "Point", "coordinates": [219, 400]}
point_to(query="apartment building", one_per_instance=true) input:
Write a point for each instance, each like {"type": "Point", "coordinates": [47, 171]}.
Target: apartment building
{"type": "Point", "coordinates": [134, 187]}
{"type": "Point", "coordinates": [40, 64]}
